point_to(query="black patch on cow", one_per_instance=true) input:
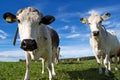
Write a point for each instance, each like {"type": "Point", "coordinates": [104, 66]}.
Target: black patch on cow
{"type": "Point", "coordinates": [55, 38]}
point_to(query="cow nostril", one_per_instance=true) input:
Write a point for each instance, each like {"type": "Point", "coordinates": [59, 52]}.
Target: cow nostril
{"type": "Point", "coordinates": [96, 33]}
{"type": "Point", "coordinates": [24, 43]}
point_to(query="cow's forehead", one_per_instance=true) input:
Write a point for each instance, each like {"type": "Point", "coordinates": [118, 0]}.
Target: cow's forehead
{"type": "Point", "coordinates": [94, 18]}
{"type": "Point", "coordinates": [29, 12]}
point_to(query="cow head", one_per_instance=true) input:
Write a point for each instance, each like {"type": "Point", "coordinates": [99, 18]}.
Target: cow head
{"type": "Point", "coordinates": [95, 22]}
{"type": "Point", "coordinates": [29, 20]}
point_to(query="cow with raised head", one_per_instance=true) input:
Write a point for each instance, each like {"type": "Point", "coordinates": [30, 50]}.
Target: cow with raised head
{"type": "Point", "coordinates": [104, 43]}
{"type": "Point", "coordinates": [37, 38]}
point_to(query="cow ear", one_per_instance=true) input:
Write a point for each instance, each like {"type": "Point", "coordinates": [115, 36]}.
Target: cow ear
{"type": "Point", "coordinates": [106, 16]}
{"type": "Point", "coordinates": [84, 20]}
{"type": "Point", "coordinates": [9, 17]}
{"type": "Point", "coordinates": [47, 19]}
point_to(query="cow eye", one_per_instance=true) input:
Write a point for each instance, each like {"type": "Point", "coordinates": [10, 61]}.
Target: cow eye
{"type": "Point", "coordinates": [18, 21]}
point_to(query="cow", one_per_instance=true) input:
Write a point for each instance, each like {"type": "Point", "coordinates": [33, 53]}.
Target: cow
{"type": "Point", "coordinates": [37, 39]}
{"type": "Point", "coordinates": [104, 43]}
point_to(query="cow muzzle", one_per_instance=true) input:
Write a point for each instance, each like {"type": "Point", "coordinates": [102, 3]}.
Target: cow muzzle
{"type": "Point", "coordinates": [28, 45]}
{"type": "Point", "coordinates": [95, 33]}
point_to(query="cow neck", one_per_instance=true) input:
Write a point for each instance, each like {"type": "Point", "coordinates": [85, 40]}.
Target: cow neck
{"type": "Point", "coordinates": [104, 31]}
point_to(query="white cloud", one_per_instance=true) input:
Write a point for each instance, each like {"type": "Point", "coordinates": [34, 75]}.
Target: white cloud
{"type": "Point", "coordinates": [65, 27]}
{"type": "Point", "coordinates": [73, 35]}
{"type": "Point", "coordinates": [68, 16]}
{"type": "Point", "coordinates": [69, 31]}
{"type": "Point", "coordinates": [72, 29]}
{"type": "Point", "coordinates": [101, 10]}
{"type": "Point", "coordinates": [85, 36]}
{"type": "Point", "coordinates": [106, 22]}
{"type": "Point", "coordinates": [75, 51]}
{"type": "Point", "coordinates": [12, 55]}
{"type": "Point", "coordinates": [93, 11]}
{"type": "Point", "coordinates": [3, 35]}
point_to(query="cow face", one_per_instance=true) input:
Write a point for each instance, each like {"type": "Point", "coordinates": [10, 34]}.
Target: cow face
{"type": "Point", "coordinates": [29, 21]}
{"type": "Point", "coordinates": [95, 22]}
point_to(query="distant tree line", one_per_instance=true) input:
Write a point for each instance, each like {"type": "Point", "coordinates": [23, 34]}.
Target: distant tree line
{"type": "Point", "coordinates": [68, 59]}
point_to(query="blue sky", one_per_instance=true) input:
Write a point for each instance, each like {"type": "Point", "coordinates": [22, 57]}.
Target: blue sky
{"type": "Point", "coordinates": [74, 36]}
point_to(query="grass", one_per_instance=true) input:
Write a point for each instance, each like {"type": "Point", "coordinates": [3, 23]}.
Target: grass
{"type": "Point", "coordinates": [83, 70]}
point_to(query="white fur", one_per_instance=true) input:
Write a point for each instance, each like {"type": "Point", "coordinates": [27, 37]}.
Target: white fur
{"type": "Point", "coordinates": [29, 28]}
{"type": "Point", "coordinates": [103, 45]}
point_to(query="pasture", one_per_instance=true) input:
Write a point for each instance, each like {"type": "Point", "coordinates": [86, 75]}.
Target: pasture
{"type": "Point", "coordinates": [83, 70]}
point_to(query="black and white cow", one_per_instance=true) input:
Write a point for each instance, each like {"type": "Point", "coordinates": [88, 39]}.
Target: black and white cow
{"type": "Point", "coordinates": [103, 42]}
{"type": "Point", "coordinates": [37, 38]}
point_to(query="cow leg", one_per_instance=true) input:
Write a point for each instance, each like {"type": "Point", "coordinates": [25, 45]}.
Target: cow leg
{"type": "Point", "coordinates": [99, 61]}
{"type": "Point", "coordinates": [54, 56]}
{"type": "Point", "coordinates": [107, 65]}
{"type": "Point", "coordinates": [43, 65]}
{"type": "Point", "coordinates": [50, 70]}
{"type": "Point", "coordinates": [53, 70]}
{"type": "Point", "coordinates": [58, 53]}
{"type": "Point", "coordinates": [54, 60]}
{"type": "Point", "coordinates": [28, 62]}
{"type": "Point", "coordinates": [116, 63]}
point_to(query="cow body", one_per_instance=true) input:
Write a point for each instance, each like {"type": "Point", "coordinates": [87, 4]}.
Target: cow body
{"type": "Point", "coordinates": [38, 40]}
{"type": "Point", "coordinates": [104, 47]}
{"type": "Point", "coordinates": [104, 43]}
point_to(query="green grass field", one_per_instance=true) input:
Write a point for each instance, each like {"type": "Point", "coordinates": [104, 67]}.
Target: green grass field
{"type": "Point", "coordinates": [83, 70]}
